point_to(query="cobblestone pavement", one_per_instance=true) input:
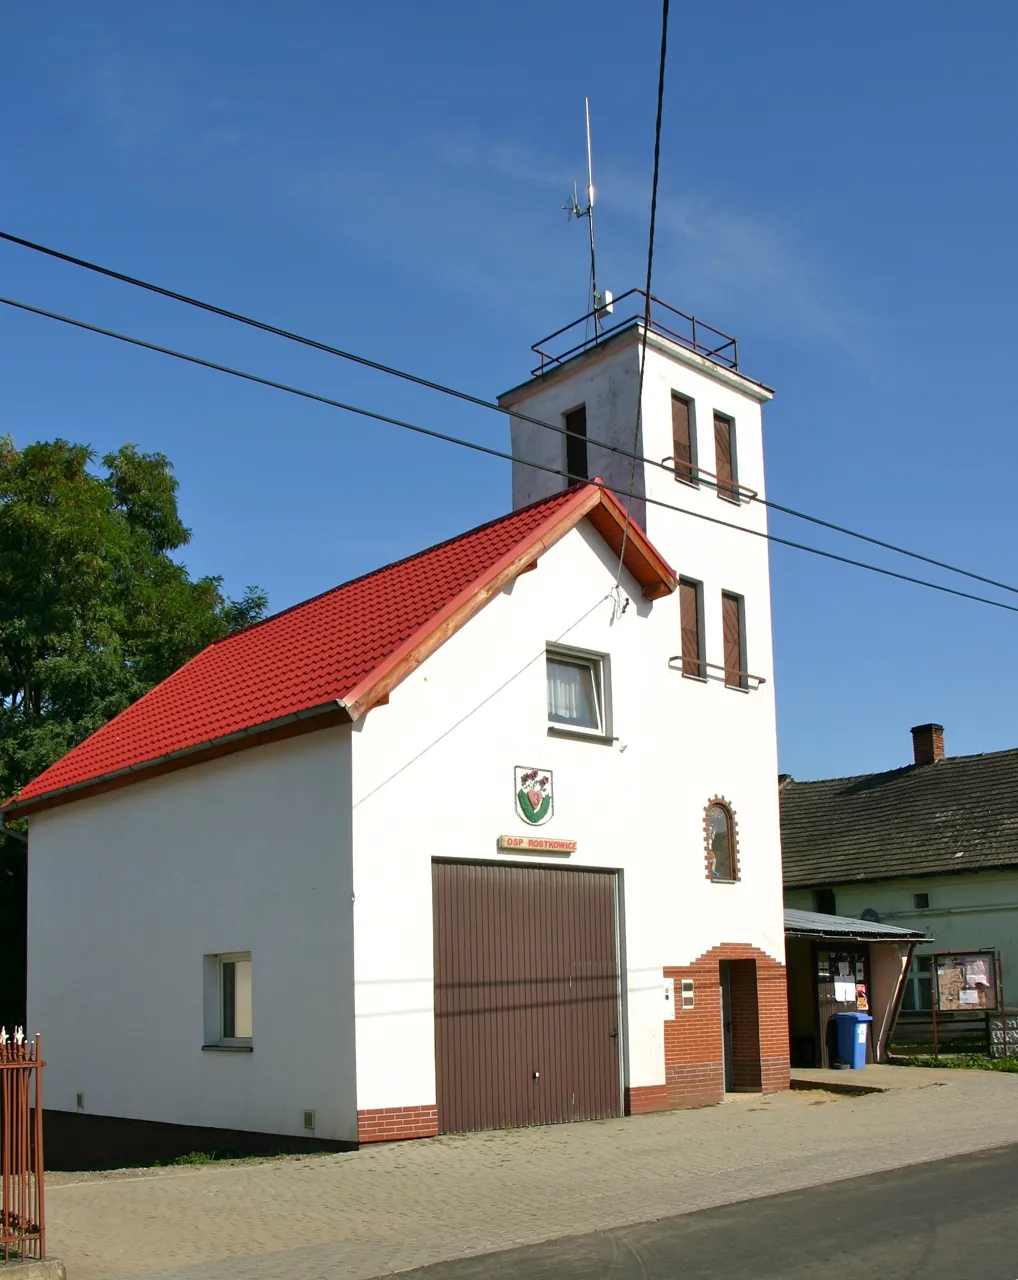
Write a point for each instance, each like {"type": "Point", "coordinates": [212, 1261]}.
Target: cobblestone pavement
{"type": "Point", "coordinates": [390, 1208]}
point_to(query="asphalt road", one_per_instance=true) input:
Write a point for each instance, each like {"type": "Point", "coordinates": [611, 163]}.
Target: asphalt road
{"type": "Point", "coordinates": [956, 1219]}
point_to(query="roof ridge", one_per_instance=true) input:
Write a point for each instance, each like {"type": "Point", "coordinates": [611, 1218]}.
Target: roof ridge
{"type": "Point", "coordinates": [904, 768]}
{"type": "Point", "coordinates": [394, 564]}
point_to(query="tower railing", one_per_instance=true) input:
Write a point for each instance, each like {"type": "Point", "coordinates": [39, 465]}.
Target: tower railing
{"type": "Point", "coordinates": [666, 320]}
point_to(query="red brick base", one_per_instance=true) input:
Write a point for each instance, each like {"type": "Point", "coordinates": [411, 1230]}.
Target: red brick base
{"type": "Point", "coordinates": [698, 1084]}
{"type": "Point", "coordinates": [644, 1098]}
{"type": "Point", "coordinates": [387, 1124]}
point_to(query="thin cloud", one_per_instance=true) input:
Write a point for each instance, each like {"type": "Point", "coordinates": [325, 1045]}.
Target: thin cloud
{"type": "Point", "coordinates": [135, 105]}
{"type": "Point", "coordinates": [727, 257]}
{"type": "Point", "coordinates": [482, 216]}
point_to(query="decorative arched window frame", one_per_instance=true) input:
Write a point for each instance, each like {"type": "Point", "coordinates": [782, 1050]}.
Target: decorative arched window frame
{"type": "Point", "coordinates": [733, 841]}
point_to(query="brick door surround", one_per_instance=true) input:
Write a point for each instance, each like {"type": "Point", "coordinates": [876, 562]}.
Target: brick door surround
{"type": "Point", "coordinates": [694, 1061]}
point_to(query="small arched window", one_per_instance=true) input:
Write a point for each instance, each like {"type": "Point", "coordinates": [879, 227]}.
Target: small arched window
{"type": "Point", "coordinates": [722, 858]}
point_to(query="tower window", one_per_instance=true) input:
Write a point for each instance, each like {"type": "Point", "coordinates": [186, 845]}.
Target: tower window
{"type": "Point", "coordinates": [725, 466]}
{"type": "Point", "coordinates": [576, 444]}
{"type": "Point", "coordinates": [683, 440]}
{"type": "Point", "coordinates": [691, 622]}
{"type": "Point", "coordinates": [733, 628]}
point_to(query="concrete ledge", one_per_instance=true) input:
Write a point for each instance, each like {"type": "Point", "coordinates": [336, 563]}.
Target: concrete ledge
{"type": "Point", "coordinates": [836, 1086]}
{"type": "Point", "coordinates": [50, 1269]}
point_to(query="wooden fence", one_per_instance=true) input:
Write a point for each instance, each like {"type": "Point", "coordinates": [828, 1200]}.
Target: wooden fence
{"type": "Point", "coordinates": [22, 1212]}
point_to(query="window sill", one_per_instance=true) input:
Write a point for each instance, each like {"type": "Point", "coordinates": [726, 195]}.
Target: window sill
{"type": "Point", "coordinates": [688, 675]}
{"type": "Point", "coordinates": [577, 735]}
{"type": "Point", "coordinates": [689, 481]}
{"type": "Point", "coordinates": [721, 880]}
{"type": "Point", "coordinates": [227, 1048]}
{"type": "Point", "coordinates": [738, 688]}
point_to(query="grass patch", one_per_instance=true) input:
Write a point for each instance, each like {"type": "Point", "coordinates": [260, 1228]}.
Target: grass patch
{"type": "Point", "coordinates": [213, 1157]}
{"type": "Point", "coordinates": [963, 1061]}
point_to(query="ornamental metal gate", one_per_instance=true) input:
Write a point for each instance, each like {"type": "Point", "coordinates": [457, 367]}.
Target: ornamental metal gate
{"type": "Point", "coordinates": [526, 995]}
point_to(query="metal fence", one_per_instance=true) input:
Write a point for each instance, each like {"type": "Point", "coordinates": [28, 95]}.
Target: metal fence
{"type": "Point", "coordinates": [22, 1215]}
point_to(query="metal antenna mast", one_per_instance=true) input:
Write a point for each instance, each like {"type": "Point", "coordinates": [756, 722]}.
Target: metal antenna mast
{"type": "Point", "coordinates": [590, 215]}
{"type": "Point", "coordinates": [601, 304]}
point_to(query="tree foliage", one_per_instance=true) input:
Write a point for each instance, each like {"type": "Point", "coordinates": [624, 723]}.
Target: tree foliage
{"type": "Point", "coordinates": [94, 611]}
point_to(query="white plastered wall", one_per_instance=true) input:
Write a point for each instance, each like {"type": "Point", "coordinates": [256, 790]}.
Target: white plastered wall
{"type": "Point", "coordinates": [433, 776]}
{"type": "Point", "coordinates": [128, 892]}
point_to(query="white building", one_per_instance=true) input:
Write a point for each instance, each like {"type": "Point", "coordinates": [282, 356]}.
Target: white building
{"type": "Point", "coordinates": [475, 840]}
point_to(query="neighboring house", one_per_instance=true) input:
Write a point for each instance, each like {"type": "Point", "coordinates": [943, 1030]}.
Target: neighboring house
{"type": "Point", "coordinates": [475, 840]}
{"type": "Point", "coordinates": [931, 847]}
{"type": "Point", "coordinates": [839, 965]}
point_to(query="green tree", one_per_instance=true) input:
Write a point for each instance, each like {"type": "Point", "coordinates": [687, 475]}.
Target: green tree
{"type": "Point", "coordinates": [94, 611]}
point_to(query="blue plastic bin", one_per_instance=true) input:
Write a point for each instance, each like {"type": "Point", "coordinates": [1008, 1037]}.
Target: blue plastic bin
{"type": "Point", "coordinates": [852, 1038]}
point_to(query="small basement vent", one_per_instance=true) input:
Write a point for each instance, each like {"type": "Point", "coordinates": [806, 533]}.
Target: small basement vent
{"type": "Point", "coordinates": [309, 1119]}
{"type": "Point", "coordinates": [920, 901]}
{"type": "Point", "coordinates": [687, 993]}
{"type": "Point", "coordinates": [871, 915]}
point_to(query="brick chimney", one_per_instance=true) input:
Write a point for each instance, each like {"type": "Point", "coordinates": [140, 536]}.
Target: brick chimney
{"type": "Point", "coordinates": [928, 743]}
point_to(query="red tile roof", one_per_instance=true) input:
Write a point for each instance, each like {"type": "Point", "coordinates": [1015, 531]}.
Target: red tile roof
{"type": "Point", "coordinates": [340, 652]}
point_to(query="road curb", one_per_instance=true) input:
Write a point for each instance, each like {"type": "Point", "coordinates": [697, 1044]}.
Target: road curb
{"type": "Point", "coordinates": [48, 1269]}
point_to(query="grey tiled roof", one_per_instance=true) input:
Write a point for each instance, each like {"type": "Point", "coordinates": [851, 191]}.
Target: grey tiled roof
{"type": "Point", "coordinates": [959, 814]}
{"type": "Point", "coordinates": [816, 925]}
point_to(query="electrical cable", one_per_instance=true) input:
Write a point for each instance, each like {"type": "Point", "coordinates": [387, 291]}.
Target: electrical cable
{"type": "Point", "coordinates": [541, 653]}
{"type": "Point", "coordinates": [480, 402]}
{"type": "Point", "coordinates": [497, 453]}
{"type": "Point", "coordinates": [650, 267]}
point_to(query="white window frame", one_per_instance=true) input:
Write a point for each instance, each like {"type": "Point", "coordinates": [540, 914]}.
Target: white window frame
{"type": "Point", "coordinates": [919, 964]}
{"type": "Point", "coordinates": [600, 667]}
{"type": "Point", "coordinates": [213, 1003]}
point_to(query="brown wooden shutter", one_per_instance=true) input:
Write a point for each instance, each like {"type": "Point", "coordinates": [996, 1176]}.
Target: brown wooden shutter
{"type": "Point", "coordinates": [682, 444]}
{"type": "Point", "coordinates": [724, 465]}
{"type": "Point", "coordinates": [689, 614]}
{"type": "Point", "coordinates": [576, 445]}
{"type": "Point", "coordinates": [731, 625]}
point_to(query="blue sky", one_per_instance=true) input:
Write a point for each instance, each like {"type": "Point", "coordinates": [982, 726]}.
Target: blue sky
{"type": "Point", "coordinates": [838, 189]}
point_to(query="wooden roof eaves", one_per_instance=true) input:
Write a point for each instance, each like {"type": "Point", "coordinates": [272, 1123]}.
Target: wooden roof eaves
{"type": "Point", "coordinates": [605, 512]}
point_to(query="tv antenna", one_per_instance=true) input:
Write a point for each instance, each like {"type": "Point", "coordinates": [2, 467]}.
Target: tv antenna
{"type": "Point", "coordinates": [602, 304]}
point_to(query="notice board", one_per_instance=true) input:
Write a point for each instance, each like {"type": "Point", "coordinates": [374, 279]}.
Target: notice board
{"type": "Point", "coordinates": [965, 981]}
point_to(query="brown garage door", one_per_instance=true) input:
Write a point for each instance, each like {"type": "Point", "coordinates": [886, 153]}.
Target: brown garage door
{"type": "Point", "coordinates": [526, 996]}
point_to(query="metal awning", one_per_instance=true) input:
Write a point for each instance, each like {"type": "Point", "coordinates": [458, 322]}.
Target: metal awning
{"type": "Point", "coordinates": [813, 924]}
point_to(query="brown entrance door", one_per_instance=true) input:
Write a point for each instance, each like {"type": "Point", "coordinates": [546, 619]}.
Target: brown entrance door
{"type": "Point", "coordinates": [526, 995]}
{"type": "Point", "coordinates": [725, 975]}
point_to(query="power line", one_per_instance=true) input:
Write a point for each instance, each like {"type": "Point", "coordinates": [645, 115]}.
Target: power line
{"type": "Point", "coordinates": [392, 371]}
{"type": "Point", "coordinates": [650, 267]}
{"type": "Point", "coordinates": [495, 453]}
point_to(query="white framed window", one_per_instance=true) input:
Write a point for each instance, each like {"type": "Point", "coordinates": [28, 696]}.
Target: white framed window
{"type": "Point", "coordinates": [228, 1001]}
{"type": "Point", "coordinates": [918, 995]}
{"type": "Point", "coordinates": [578, 693]}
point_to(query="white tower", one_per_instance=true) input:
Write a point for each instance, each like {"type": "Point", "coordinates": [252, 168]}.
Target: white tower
{"type": "Point", "coordinates": [701, 419]}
